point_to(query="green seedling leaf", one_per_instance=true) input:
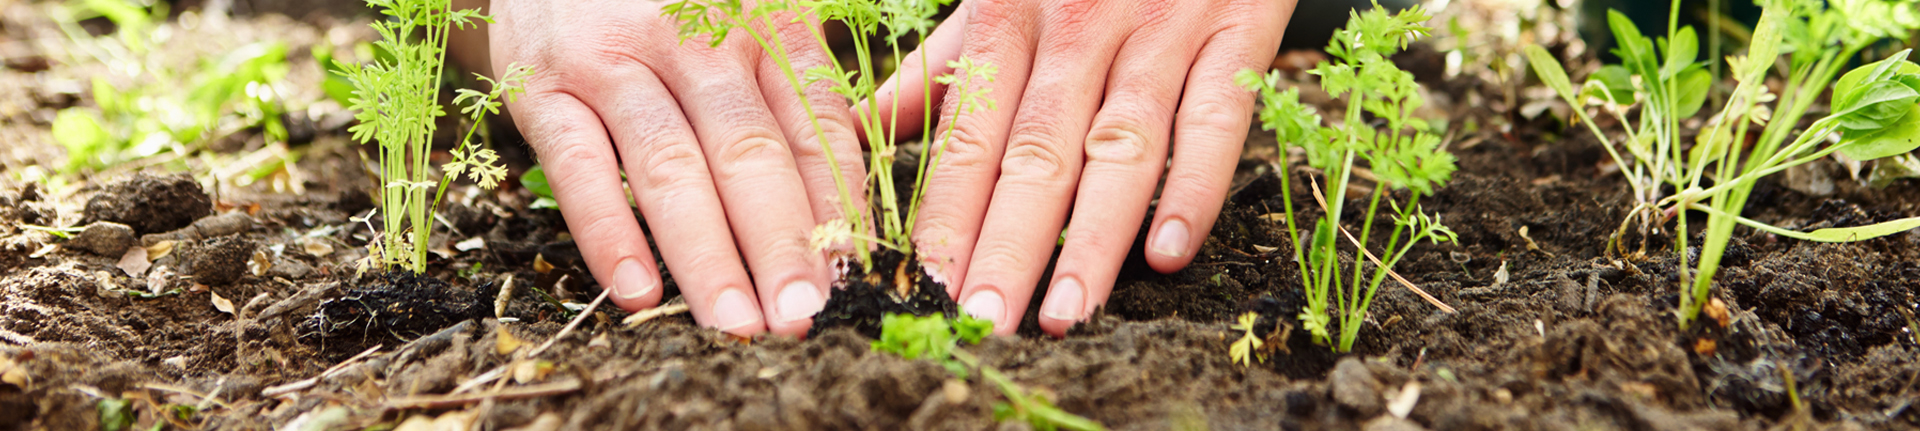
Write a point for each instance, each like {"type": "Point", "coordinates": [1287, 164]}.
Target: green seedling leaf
{"type": "Point", "coordinates": [1860, 233]}
{"type": "Point", "coordinates": [535, 180]}
{"type": "Point", "coordinates": [1899, 138]}
{"type": "Point", "coordinates": [115, 414]}
{"type": "Point", "coordinates": [1612, 83]}
{"type": "Point", "coordinates": [915, 337]}
{"type": "Point", "coordinates": [1550, 71]}
{"type": "Point", "coordinates": [1693, 87]}
{"type": "Point", "coordinates": [1634, 49]}
{"type": "Point", "coordinates": [1682, 50]}
{"type": "Point", "coordinates": [972, 329]}
{"type": "Point", "coordinates": [79, 130]}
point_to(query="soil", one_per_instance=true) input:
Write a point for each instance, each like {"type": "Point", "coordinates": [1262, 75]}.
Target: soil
{"type": "Point", "coordinates": [1549, 333]}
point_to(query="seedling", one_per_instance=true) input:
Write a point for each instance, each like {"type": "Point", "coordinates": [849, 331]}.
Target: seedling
{"type": "Point", "coordinates": [239, 90]}
{"type": "Point", "coordinates": [715, 20]}
{"type": "Point", "coordinates": [1872, 115]}
{"type": "Point", "coordinates": [397, 100]}
{"type": "Point", "coordinates": [936, 338]}
{"type": "Point", "coordinates": [1404, 154]}
{"type": "Point", "coordinates": [1248, 348]}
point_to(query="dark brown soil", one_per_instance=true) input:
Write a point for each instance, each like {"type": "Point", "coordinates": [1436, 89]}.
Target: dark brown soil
{"type": "Point", "coordinates": [1572, 339]}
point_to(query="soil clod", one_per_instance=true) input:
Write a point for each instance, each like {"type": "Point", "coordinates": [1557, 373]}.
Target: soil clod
{"type": "Point", "coordinates": [104, 238]}
{"type": "Point", "coordinates": [150, 204]}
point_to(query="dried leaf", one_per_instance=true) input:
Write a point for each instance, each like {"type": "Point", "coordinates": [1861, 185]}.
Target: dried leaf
{"type": "Point", "coordinates": [1264, 249]}
{"type": "Point", "coordinates": [471, 244]}
{"type": "Point", "coordinates": [532, 371]}
{"type": "Point", "coordinates": [222, 304]}
{"type": "Point", "coordinates": [315, 247]}
{"type": "Point", "coordinates": [159, 250]}
{"type": "Point", "coordinates": [135, 262]}
{"type": "Point", "coordinates": [1402, 405]}
{"type": "Point", "coordinates": [260, 263]}
{"type": "Point", "coordinates": [654, 313]}
{"type": "Point", "coordinates": [540, 264]}
{"type": "Point", "coordinates": [44, 251]}
{"type": "Point", "coordinates": [506, 343]}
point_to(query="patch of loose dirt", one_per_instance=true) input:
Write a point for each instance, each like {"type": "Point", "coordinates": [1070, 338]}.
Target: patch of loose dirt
{"type": "Point", "coordinates": [1568, 338]}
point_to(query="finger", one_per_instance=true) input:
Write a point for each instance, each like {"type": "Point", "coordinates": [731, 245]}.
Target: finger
{"type": "Point", "coordinates": [795, 302]}
{"type": "Point", "coordinates": [1042, 163]}
{"type": "Point", "coordinates": [957, 190]}
{"type": "Point", "coordinates": [1208, 133]}
{"type": "Point", "coordinates": [1126, 150]}
{"type": "Point", "coordinates": [913, 82]}
{"type": "Point", "coordinates": [671, 184]}
{"type": "Point", "coordinates": [759, 184]}
{"type": "Point", "coordinates": [836, 125]}
{"type": "Point", "coordinates": [564, 132]}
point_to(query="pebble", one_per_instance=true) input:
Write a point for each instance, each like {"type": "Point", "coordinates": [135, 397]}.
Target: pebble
{"type": "Point", "coordinates": [104, 238]}
{"type": "Point", "coordinates": [1355, 387]}
{"type": "Point", "coordinates": [218, 261]}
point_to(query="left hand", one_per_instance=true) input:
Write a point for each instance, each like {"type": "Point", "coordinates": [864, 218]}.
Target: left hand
{"type": "Point", "coordinates": [1092, 97]}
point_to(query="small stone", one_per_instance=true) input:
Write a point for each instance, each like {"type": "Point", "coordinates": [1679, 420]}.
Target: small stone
{"type": "Point", "coordinates": [291, 269]}
{"type": "Point", "coordinates": [104, 238]}
{"type": "Point", "coordinates": [1355, 387]}
{"type": "Point", "coordinates": [150, 204]}
{"type": "Point", "coordinates": [224, 224]}
{"type": "Point", "coordinates": [218, 261]}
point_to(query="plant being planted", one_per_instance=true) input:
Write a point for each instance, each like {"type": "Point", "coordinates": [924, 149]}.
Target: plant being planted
{"type": "Point", "coordinates": [885, 225]}
{"type": "Point", "coordinates": [936, 338]}
{"type": "Point", "coordinates": [1873, 116]}
{"type": "Point", "coordinates": [397, 102]}
{"type": "Point", "coordinates": [1404, 153]}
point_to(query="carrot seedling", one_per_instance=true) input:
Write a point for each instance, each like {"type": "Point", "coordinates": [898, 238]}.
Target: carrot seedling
{"type": "Point", "coordinates": [936, 338]}
{"type": "Point", "coordinates": [715, 20]}
{"type": "Point", "coordinates": [397, 102]}
{"type": "Point", "coordinates": [1873, 116]}
{"type": "Point", "coordinates": [1404, 153]}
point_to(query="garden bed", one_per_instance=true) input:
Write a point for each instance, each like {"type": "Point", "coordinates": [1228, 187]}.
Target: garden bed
{"type": "Point", "coordinates": [1549, 332]}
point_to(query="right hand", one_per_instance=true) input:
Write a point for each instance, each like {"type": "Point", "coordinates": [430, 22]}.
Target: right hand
{"type": "Point", "coordinates": [715, 145]}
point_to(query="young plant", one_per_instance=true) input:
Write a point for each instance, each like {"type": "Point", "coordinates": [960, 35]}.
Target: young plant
{"type": "Point", "coordinates": [1404, 153]}
{"type": "Point", "coordinates": [1873, 115]}
{"type": "Point", "coordinates": [866, 18]}
{"type": "Point", "coordinates": [397, 101]}
{"type": "Point", "coordinates": [936, 338]}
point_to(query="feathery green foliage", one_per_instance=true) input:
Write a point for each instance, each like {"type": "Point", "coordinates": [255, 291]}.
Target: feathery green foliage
{"type": "Point", "coordinates": [1873, 114]}
{"type": "Point", "coordinates": [397, 103]}
{"type": "Point", "coordinates": [715, 20]}
{"type": "Point", "coordinates": [936, 338]}
{"type": "Point", "coordinates": [1404, 154]}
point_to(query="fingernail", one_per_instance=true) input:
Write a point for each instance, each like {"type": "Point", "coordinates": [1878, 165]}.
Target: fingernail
{"type": "Point", "coordinates": [1172, 239]}
{"type": "Point", "coordinates": [631, 281]}
{"type": "Point", "coordinates": [800, 300]}
{"type": "Point", "coordinates": [986, 304]}
{"type": "Point", "coordinates": [1065, 300]}
{"type": "Point", "coordinates": [734, 310]}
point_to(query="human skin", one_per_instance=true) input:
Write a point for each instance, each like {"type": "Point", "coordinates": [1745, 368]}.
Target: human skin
{"type": "Point", "coordinates": [1094, 100]}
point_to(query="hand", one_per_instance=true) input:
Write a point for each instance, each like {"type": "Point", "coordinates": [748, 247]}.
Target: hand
{"type": "Point", "coordinates": [1089, 94]}
{"type": "Point", "coordinates": [715, 145]}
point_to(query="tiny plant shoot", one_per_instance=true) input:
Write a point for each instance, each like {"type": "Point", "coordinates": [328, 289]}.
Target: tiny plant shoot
{"type": "Point", "coordinates": [937, 338]}
{"type": "Point", "coordinates": [397, 101]}
{"type": "Point", "coordinates": [1403, 153]}
{"type": "Point", "coordinates": [1873, 116]}
{"type": "Point", "coordinates": [716, 19]}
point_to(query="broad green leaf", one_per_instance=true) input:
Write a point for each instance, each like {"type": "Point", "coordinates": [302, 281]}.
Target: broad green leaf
{"type": "Point", "coordinates": [1898, 138]}
{"type": "Point", "coordinates": [1692, 91]}
{"type": "Point", "coordinates": [1875, 105]}
{"type": "Point", "coordinates": [1612, 82]}
{"type": "Point", "coordinates": [535, 180]}
{"type": "Point", "coordinates": [1550, 71]}
{"type": "Point", "coordinates": [1852, 82]}
{"type": "Point", "coordinates": [1682, 50]}
{"type": "Point", "coordinates": [1635, 50]}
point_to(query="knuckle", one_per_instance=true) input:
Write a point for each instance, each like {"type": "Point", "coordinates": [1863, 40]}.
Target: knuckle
{"type": "Point", "coordinates": [1034, 156]}
{"type": "Point", "coordinates": [1001, 255]}
{"type": "Point", "coordinates": [965, 148]}
{"type": "Point", "coordinates": [671, 167]}
{"type": "Point", "coordinates": [1217, 116]}
{"type": "Point", "coordinates": [605, 227]}
{"type": "Point", "coordinates": [748, 151]}
{"type": "Point", "coordinates": [1118, 142]}
{"type": "Point", "coordinates": [556, 148]}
